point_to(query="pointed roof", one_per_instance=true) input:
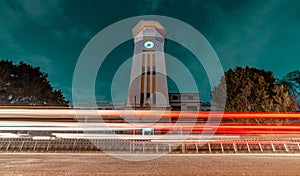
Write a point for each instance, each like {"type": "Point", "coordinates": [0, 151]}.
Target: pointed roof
{"type": "Point", "coordinates": [148, 24]}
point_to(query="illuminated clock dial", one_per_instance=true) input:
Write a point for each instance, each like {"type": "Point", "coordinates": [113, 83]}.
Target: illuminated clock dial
{"type": "Point", "coordinates": [148, 44]}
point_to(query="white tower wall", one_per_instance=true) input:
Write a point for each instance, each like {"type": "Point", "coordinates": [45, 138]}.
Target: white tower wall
{"type": "Point", "coordinates": [148, 88]}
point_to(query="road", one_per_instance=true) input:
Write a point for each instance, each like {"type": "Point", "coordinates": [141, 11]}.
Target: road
{"type": "Point", "coordinates": [175, 164]}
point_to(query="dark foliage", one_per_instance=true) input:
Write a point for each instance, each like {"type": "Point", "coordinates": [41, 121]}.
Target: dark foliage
{"type": "Point", "coordinates": [253, 90]}
{"type": "Point", "coordinates": [24, 84]}
{"type": "Point", "coordinates": [292, 82]}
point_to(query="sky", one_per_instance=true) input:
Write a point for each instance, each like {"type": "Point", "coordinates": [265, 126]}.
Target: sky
{"type": "Point", "coordinates": [51, 34]}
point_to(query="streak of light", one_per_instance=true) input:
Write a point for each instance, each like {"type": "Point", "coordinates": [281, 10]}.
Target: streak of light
{"type": "Point", "coordinates": [268, 127]}
{"type": "Point", "coordinates": [90, 113]}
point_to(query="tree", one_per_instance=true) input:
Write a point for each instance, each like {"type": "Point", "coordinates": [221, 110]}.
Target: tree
{"type": "Point", "coordinates": [292, 82]}
{"type": "Point", "coordinates": [23, 84]}
{"type": "Point", "coordinates": [252, 90]}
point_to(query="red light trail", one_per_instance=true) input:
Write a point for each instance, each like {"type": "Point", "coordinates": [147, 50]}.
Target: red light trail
{"type": "Point", "coordinates": [188, 125]}
{"type": "Point", "coordinates": [91, 113]}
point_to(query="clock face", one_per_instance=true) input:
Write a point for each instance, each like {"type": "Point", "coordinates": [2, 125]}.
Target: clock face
{"type": "Point", "coordinates": [148, 44]}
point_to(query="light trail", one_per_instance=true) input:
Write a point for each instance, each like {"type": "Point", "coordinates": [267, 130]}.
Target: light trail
{"type": "Point", "coordinates": [60, 119]}
{"type": "Point", "coordinates": [110, 114]}
{"type": "Point", "coordinates": [63, 126]}
{"type": "Point", "coordinates": [155, 125]}
{"type": "Point", "coordinates": [240, 129]}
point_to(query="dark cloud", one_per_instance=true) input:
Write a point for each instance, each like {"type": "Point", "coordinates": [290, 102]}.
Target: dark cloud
{"type": "Point", "coordinates": [254, 33]}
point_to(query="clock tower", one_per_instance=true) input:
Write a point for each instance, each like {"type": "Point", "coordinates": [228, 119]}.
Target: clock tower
{"type": "Point", "coordinates": [148, 87]}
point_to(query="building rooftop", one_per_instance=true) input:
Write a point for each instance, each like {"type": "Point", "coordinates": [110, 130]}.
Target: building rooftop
{"type": "Point", "coordinates": [148, 24]}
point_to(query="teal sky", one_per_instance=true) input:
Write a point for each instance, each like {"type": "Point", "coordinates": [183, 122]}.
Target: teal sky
{"type": "Point", "coordinates": [52, 33]}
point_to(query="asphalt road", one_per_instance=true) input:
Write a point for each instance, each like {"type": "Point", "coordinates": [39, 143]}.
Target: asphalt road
{"type": "Point", "coordinates": [175, 164]}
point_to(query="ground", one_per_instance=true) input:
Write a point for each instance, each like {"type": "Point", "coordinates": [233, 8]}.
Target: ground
{"type": "Point", "coordinates": [175, 164]}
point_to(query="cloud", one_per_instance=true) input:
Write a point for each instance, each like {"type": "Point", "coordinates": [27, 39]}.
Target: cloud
{"type": "Point", "coordinates": [41, 34]}
{"type": "Point", "coordinates": [9, 22]}
{"type": "Point", "coordinates": [71, 32]}
{"type": "Point", "coordinates": [34, 20]}
{"type": "Point", "coordinates": [251, 33]}
{"type": "Point", "coordinates": [41, 11]}
{"type": "Point", "coordinates": [42, 61]}
{"type": "Point", "coordinates": [15, 16]}
{"type": "Point", "coordinates": [149, 6]}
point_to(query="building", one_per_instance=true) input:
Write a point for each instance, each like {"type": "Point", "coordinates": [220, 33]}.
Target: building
{"type": "Point", "coordinates": [101, 105]}
{"type": "Point", "coordinates": [205, 106]}
{"type": "Point", "coordinates": [148, 88]}
{"type": "Point", "coordinates": [178, 102]}
{"type": "Point", "coordinates": [185, 101]}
